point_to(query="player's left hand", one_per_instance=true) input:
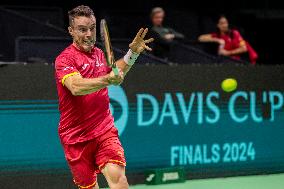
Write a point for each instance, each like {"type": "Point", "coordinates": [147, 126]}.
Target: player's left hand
{"type": "Point", "coordinates": [138, 44]}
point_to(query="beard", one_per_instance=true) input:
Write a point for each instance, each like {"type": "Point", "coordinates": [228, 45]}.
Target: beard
{"type": "Point", "coordinates": [85, 44]}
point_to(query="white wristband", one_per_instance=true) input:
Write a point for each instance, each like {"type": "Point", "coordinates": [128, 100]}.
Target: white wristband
{"type": "Point", "coordinates": [130, 57]}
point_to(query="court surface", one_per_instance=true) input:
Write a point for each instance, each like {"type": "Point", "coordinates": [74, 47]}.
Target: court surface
{"type": "Point", "coordinates": [245, 182]}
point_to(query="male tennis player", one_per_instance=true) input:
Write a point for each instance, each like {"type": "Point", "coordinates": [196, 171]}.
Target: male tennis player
{"type": "Point", "coordinates": [86, 129]}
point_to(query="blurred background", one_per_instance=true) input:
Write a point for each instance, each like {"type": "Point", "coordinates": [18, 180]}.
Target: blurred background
{"type": "Point", "coordinates": [173, 116]}
{"type": "Point", "coordinates": [258, 21]}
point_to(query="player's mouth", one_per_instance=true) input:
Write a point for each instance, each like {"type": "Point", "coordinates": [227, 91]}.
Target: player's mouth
{"type": "Point", "coordinates": [89, 42]}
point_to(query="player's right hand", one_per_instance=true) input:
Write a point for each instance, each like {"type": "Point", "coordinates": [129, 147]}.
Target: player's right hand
{"type": "Point", "coordinates": [116, 79]}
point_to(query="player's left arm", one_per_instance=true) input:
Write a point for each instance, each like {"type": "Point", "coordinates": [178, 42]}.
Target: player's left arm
{"type": "Point", "coordinates": [122, 65]}
{"type": "Point", "coordinates": [137, 46]}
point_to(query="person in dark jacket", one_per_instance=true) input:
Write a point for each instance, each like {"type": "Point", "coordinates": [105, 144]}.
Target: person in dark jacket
{"type": "Point", "coordinates": [164, 36]}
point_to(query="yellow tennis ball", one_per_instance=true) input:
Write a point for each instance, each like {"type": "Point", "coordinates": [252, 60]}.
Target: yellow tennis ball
{"type": "Point", "coordinates": [229, 85]}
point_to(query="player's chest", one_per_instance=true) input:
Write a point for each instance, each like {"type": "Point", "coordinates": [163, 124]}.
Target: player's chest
{"type": "Point", "coordinates": [91, 66]}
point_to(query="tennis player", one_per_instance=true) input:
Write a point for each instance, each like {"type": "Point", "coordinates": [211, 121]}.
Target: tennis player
{"type": "Point", "coordinates": [86, 129]}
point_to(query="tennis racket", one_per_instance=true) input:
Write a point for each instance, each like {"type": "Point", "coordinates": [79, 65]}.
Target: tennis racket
{"type": "Point", "coordinates": [107, 48]}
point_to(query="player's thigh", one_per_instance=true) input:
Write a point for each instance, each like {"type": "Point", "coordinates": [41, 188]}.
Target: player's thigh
{"type": "Point", "coordinates": [110, 150]}
{"type": "Point", "coordinates": [80, 162]}
{"type": "Point", "coordinates": [115, 174]}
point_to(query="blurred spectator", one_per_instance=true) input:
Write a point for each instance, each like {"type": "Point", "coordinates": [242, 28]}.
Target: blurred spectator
{"type": "Point", "coordinates": [231, 43]}
{"type": "Point", "coordinates": [164, 36]}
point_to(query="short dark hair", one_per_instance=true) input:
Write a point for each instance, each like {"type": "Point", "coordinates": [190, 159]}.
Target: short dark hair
{"type": "Point", "coordinates": [81, 10]}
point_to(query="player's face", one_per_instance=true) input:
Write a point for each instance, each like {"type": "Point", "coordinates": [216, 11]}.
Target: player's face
{"type": "Point", "coordinates": [83, 31]}
{"type": "Point", "coordinates": [223, 24]}
{"type": "Point", "coordinates": [158, 19]}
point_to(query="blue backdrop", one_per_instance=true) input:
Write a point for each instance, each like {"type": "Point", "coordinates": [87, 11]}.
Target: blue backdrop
{"type": "Point", "coordinates": [164, 121]}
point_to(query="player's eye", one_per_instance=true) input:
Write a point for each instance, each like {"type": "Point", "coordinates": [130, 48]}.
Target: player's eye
{"type": "Point", "coordinates": [93, 28]}
{"type": "Point", "coordinates": [83, 30]}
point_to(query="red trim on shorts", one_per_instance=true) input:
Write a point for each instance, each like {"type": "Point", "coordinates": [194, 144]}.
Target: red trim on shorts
{"type": "Point", "coordinates": [112, 161]}
{"type": "Point", "coordinates": [86, 187]}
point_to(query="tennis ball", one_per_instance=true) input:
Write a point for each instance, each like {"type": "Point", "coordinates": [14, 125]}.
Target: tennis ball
{"type": "Point", "coordinates": [229, 85]}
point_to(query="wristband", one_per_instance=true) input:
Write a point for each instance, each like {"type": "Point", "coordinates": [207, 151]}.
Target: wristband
{"type": "Point", "coordinates": [130, 57]}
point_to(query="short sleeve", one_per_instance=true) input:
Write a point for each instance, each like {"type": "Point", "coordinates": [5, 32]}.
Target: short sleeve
{"type": "Point", "coordinates": [239, 39]}
{"type": "Point", "coordinates": [64, 68]}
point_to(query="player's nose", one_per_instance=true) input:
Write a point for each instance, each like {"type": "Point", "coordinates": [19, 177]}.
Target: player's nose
{"type": "Point", "coordinates": [89, 33]}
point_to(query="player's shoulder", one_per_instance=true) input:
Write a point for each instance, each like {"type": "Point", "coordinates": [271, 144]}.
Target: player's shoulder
{"type": "Point", "coordinates": [67, 51]}
{"type": "Point", "coordinates": [66, 55]}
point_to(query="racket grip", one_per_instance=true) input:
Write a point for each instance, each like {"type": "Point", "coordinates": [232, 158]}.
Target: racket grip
{"type": "Point", "coordinates": [115, 70]}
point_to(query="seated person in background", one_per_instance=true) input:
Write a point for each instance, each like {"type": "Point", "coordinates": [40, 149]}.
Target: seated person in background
{"type": "Point", "coordinates": [163, 36]}
{"type": "Point", "coordinates": [231, 43]}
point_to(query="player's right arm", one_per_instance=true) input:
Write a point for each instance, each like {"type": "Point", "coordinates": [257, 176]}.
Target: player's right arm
{"type": "Point", "coordinates": [68, 76]}
{"type": "Point", "coordinates": [78, 85]}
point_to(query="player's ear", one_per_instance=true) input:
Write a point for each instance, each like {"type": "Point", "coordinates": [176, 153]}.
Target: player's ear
{"type": "Point", "coordinates": [70, 30]}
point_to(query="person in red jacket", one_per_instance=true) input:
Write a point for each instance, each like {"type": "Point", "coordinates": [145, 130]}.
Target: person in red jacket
{"type": "Point", "coordinates": [231, 43]}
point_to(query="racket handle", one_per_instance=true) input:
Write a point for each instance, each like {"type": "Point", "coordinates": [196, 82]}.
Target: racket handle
{"type": "Point", "coordinates": [115, 70]}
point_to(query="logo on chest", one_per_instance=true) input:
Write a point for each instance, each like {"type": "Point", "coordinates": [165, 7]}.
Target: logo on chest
{"type": "Point", "coordinates": [85, 66]}
{"type": "Point", "coordinates": [99, 64]}
{"type": "Point", "coordinates": [96, 62]}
